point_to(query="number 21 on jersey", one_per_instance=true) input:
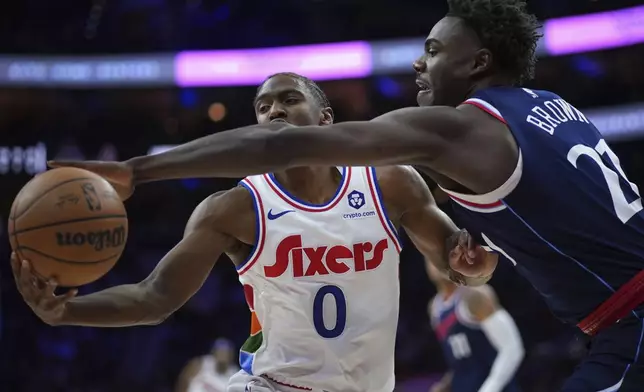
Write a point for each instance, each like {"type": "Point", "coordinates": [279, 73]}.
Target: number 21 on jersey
{"type": "Point", "coordinates": [623, 209]}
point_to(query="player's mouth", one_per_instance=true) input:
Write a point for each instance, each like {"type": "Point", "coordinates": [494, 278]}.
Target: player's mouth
{"type": "Point", "coordinates": [279, 120]}
{"type": "Point", "coordinates": [423, 86]}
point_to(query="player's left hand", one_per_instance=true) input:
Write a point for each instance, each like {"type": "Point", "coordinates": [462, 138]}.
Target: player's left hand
{"type": "Point", "coordinates": [119, 174]}
{"type": "Point", "coordinates": [466, 256]}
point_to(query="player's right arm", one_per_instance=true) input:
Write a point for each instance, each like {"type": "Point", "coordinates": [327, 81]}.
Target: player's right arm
{"type": "Point", "coordinates": [465, 144]}
{"type": "Point", "coordinates": [175, 279]}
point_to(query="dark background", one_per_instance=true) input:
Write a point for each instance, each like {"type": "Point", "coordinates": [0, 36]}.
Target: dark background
{"type": "Point", "coordinates": [121, 123]}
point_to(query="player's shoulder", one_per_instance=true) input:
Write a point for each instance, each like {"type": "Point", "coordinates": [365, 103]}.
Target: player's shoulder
{"type": "Point", "coordinates": [480, 300]}
{"type": "Point", "coordinates": [223, 205]}
{"type": "Point", "coordinates": [400, 179]}
{"type": "Point", "coordinates": [402, 188]}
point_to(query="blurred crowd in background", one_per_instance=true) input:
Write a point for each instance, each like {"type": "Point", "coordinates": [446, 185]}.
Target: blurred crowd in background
{"type": "Point", "coordinates": [118, 122]}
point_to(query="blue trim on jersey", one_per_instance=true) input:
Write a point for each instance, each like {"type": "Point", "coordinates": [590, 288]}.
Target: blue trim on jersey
{"type": "Point", "coordinates": [257, 225]}
{"type": "Point", "coordinates": [289, 195]}
{"type": "Point", "coordinates": [246, 361]}
{"type": "Point", "coordinates": [382, 205]}
{"type": "Point", "coordinates": [557, 249]}
{"type": "Point", "coordinates": [562, 253]}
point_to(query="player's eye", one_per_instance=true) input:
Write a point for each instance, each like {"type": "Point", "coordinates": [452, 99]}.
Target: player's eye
{"type": "Point", "coordinates": [263, 108]}
{"type": "Point", "coordinates": [290, 101]}
{"type": "Point", "coordinates": [432, 52]}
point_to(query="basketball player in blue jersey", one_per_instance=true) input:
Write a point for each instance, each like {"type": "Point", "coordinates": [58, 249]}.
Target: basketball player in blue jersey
{"type": "Point", "coordinates": [480, 341]}
{"type": "Point", "coordinates": [528, 174]}
{"type": "Point", "coordinates": [296, 237]}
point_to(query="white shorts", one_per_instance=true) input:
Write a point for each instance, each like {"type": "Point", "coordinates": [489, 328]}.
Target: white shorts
{"type": "Point", "coordinates": [244, 382]}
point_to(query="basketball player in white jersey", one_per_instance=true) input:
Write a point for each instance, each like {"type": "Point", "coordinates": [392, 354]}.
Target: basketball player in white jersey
{"type": "Point", "coordinates": [209, 373]}
{"type": "Point", "coordinates": [480, 341]}
{"type": "Point", "coordinates": [317, 252]}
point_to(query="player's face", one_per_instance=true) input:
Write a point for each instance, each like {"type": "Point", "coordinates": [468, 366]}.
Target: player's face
{"type": "Point", "coordinates": [286, 99]}
{"type": "Point", "coordinates": [449, 65]}
{"type": "Point", "coordinates": [223, 355]}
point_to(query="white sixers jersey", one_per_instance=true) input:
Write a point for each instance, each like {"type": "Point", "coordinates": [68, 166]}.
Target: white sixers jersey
{"type": "Point", "coordinates": [322, 285]}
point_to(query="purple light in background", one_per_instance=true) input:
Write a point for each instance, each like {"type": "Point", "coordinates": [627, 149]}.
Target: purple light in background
{"type": "Point", "coordinates": [594, 32]}
{"type": "Point", "coordinates": [249, 67]}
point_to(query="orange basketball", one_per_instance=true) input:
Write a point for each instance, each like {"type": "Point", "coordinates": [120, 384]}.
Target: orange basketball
{"type": "Point", "coordinates": [70, 224]}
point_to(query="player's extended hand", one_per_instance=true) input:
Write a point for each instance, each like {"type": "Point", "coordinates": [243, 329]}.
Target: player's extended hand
{"type": "Point", "coordinates": [467, 257]}
{"type": "Point", "coordinates": [119, 174]}
{"type": "Point", "coordinates": [40, 294]}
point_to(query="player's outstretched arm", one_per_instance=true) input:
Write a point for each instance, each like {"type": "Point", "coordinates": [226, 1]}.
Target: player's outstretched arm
{"type": "Point", "coordinates": [432, 231]}
{"type": "Point", "coordinates": [502, 332]}
{"type": "Point", "coordinates": [456, 142]}
{"type": "Point", "coordinates": [175, 279]}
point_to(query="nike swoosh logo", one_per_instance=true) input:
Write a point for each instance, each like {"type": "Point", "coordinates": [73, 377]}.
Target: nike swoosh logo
{"type": "Point", "coordinates": [272, 216]}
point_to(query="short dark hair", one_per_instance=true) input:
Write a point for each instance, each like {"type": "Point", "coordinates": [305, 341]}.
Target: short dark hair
{"type": "Point", "coordinates": [313, 87]}
{"type": "Point", "coordinates": [506, 29]}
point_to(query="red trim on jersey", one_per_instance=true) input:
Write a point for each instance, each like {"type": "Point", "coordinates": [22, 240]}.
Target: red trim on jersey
{"type": "Point", "coordinates": [340, 195]}
{"type": "Point", "coordinates": [616, 307]}
{"type": "Point", "coordinates": [486, 110]}
{"type": "Point", "coordinates": [497, 203]}
{"type": "Point", "coordinates": [442, 329]}
{"type": "Point", "coordinates": [288, 385]}
{"type": "Point", "coordinates": [262, 227]}
{"type": "Point", "coordinates": [380, 210]}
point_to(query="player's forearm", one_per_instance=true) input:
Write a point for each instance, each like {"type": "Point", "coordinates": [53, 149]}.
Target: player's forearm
{"type": "Point", "coordinates": [235, 153]}
{"type": "Point", "coordinates": [273, 147]}
{"type": "Point", "coordinates": [119, 306]}
{"type": "Point", "coordinates": [504, 336]}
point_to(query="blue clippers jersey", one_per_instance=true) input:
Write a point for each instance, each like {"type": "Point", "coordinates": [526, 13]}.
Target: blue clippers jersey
{"type": "Point", "coordinates": [468, 352]}
{"type": "Point", "coordinates": [568, 218]}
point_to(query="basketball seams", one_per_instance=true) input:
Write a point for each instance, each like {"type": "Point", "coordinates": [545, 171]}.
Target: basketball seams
{"type": "Point", "coordinates": [43, 194]}
{"type": "Point", "coordinates": [46, 225]}
{"type": "Point", "coordinates": [66, 261]}
{"type": "Point", "coordinates": [31, 225]}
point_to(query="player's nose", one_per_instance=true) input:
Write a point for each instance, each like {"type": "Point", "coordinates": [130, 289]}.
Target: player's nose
{"type": "Point", "coordinates": [419, 65]}
{"type": "Point", "coordinates": [277, 111]}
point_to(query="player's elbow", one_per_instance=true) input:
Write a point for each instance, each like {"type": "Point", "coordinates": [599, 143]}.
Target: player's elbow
{"type": "Point", "coordinates": [519, 351]}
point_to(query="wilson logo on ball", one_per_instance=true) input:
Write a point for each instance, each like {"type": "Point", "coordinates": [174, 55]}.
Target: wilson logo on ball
{"type": "Point", "coordinates": [100, 240]}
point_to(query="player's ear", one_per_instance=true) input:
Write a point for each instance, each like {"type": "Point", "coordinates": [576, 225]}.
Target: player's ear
{"type": "Point", "coordinates": [482, 62]}
{"type": "Point", "coordinates": [326, 116]}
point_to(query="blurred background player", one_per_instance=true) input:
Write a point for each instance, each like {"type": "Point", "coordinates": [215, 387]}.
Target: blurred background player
{"type": "Point", "coordinates": [480, 341]}
{"type": "Point", "coordinates": [316, 250]}
{"type": "Point", "coordinates": [210, 372]}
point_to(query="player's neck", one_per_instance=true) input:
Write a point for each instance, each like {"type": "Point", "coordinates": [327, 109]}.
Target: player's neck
{"type": "Point", "coordinates": [491, 81]}
{"type": "Point", "coordinates": [316, 185]}
{"type": "Point", "coordinates": [447, 289]}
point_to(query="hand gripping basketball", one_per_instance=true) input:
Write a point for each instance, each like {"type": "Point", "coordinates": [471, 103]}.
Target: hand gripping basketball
{"type": "Point", "coordinates": [119, 174]}
{"type": "Point", "coordinates": [40, 294]}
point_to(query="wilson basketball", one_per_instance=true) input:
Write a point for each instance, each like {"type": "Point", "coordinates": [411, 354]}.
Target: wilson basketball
{"type": "Point", "coordinates": [70, 224]}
